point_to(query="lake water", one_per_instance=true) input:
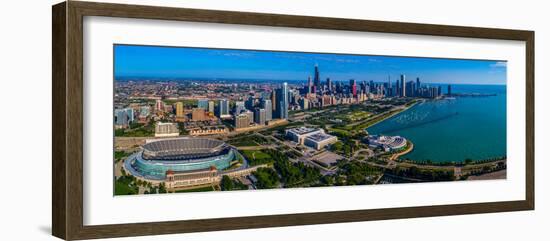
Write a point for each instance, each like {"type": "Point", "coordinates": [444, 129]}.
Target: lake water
{"type": "Point", "coordinates": [453, 129]}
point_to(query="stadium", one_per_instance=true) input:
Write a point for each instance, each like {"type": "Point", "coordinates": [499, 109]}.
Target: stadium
{"type": "Point", "coordinates": [181, 154]}
{"type": "Point", "coordinates": [388, 143]}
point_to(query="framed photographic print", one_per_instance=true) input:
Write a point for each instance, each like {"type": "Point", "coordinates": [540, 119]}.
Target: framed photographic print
{"type": "Point", "coordinates": [171, 120]}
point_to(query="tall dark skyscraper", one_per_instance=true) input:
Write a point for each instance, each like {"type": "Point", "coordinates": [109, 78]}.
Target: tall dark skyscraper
{"type": "Point", "coordinates": [371, 85]}
{"type": "Point", "coordinates": [390, 91]}
{"type": "Point", "coordinates": [282, 104]}
{"type": "Point", "coordinates": [417, 85]}
{"type": "Point", "coordinates": [250, 103]}
{"type": "Point", "coordinates": [316, 79]}
{"type": "Point", "coordinates": [339, 87]}
{"type": "Point", "coordinates": [411, 88]}
{"type": "Point", "coordinates": [364, 87]}
{"type": "Point", "coordinates": [274, 104]}
{"type": "Point", "coordinates": [397, 88]}
{"type": "Point", "coordinates": [449, 90]}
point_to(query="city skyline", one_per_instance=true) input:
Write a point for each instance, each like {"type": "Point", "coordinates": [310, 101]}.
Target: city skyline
{"type": "Point", "coordinates": [184, 62]}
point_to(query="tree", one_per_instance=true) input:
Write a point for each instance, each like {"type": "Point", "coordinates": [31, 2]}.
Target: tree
{"type": "Point", "coordinates": [267, 178]}
{"type": "Point", "coordinates": [162, 188]}
{"type": "Point", "coordinates": [338, 146]}
{"type": "Point", "coordinates": [226, 184]}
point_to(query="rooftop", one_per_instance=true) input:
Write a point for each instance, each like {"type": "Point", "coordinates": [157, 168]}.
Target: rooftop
{"type": "Point", "coordinates": [303, 130]}
{"type": "Point", "coordinates": [319, 137]}
{"type": "Point", "coordinates": [165, 123]}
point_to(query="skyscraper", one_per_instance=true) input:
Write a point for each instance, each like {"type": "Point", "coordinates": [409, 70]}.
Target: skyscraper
{"type": "Point", "coordinates": [130, 114]}
{"type": "Point", "coordinates": [402, 88]}
{"type": "Point", "coordinates": [353, 87]}
{"type": "Point", "coordinates": [250, 115]}
{"type": "Point", "coordinates": [397, 89]}
{"type": "Point", "coordinates": [121, 117]}
{"type": "Point", "coordinates": [390, 90]}
{"type": "Point", "coordinates": [329, 85]}
{"type": "Point", "coordinates": [259, 116]}
{"type": "Point", "coordinates": [410, 87]}
{"type": "Point", "coordinates": [371, 85]}
{"type": "Point", "coordinates": [282, 104]}
{"type": "Point", "coordinates": [275, 113]}
{"type": "Point", "coordinates": [179, 110]}
{"type": "Point", "coordinates": [309, 85]}
{"type": "Point", "coordinates": [339, 87]}
{"type": "Point", "coordinates": [266, 104]}
{"type": "Point", "coordinates": [417, 86]}
{"type": "Point", "coordinates": [241, 121]}
{"type": "Point", "coordinates": [433, 92]}
{"type": "Point", "coordinates": [223, 108]}
{"type": "Point", "coordinates": [316, 80]}
{"type": "Point", "coordinates": [449, 90]}
{"type": "Point", "coordinates": [239, 107]}
{"type": "Point", "coordinates": [304, 103]}
{"type": "Point", "coordinates": [250, 103]}
{"type": "Point", "coordinates": [211, 106]}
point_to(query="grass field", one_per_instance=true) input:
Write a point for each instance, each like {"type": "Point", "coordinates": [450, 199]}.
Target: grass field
{"type": "Point", "coordinates": [249, 140]}
{"type": "Point", "coordinates": [256, 157]}
{"type": "Point", "coordinates": [354, 116]}
{"type": "Point", "coordinates": [243, 142]}
{"type": "Point", "coordinates": [122, 188]}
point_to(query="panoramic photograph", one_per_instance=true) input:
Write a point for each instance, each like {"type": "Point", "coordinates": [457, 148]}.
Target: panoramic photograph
{"type": "Point", "coordinates": [189, 119]}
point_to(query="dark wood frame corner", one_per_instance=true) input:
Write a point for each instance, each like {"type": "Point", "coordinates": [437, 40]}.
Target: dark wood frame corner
{"type": "Point", "coordinates": [67, 119]}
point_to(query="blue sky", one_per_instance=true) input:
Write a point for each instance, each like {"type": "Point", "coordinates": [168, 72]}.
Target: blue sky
{"type": "Point", "coordinates": [180, 62]}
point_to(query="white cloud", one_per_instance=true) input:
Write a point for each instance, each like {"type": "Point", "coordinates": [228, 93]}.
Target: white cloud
{"type": "Point", "coordinates": [499, 64]}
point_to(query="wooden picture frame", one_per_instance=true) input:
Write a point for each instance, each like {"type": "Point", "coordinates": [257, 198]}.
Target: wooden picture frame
{"type": "Point", "coordinates": [67, 123]}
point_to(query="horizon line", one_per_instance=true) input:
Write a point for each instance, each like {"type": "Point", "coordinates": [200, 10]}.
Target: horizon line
{"type": "Point", "coordinates": [144, 78]}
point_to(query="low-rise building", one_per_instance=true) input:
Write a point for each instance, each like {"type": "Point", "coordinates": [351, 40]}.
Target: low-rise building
{"type": "Point", "coordinates": [242, 121]}
{"type": "Point", "coordinates": [313, 137]}
{"type": "Point", "coordinates": [208, 130]}
{"type": "Point", "coordinates": [299, 134]}
{"type": "Point", "coordinates": [191, 178]}
{"type": "Point", "coordinates": [166, 130]}
{"type": "Point", "coordinates": [319, 140]}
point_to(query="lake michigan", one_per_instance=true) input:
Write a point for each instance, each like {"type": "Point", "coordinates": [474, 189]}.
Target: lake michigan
{"type": "Point", "coordinates": [453, 129]}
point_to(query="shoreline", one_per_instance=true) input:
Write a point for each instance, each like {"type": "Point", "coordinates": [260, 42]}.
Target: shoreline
{"type": "Point", "coordinates": [452, 164]}
{"type": "Point", "coordinates": [396, 156]}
